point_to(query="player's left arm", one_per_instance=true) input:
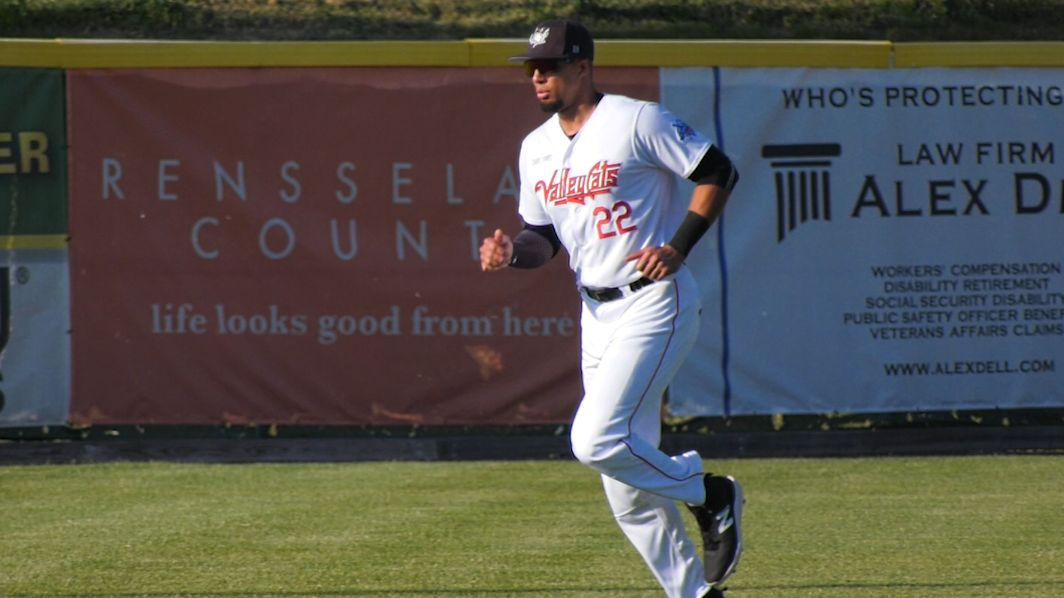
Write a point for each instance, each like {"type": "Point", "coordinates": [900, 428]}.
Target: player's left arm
{"type": "Point", "coordinates": [714, 178]}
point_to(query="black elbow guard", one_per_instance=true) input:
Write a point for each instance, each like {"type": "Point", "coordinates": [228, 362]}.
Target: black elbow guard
{"type": "Point", "coordinates": [715, 169]}
{"type": "Point", "coordinates": [534, 246]}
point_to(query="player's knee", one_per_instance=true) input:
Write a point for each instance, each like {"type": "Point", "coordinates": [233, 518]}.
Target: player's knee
{"type": "Point", "coordinates": [593, 450]}
{"type": "Point", "coordinates": [581, 440]}
{"type": "Point", "coordinates": [583, 451]}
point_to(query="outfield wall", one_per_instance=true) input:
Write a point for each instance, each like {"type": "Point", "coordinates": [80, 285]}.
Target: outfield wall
{"type": "Point", "coordinates": [286, 232]}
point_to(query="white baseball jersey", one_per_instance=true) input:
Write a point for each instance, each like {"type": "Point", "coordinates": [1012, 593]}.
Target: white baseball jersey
{"type": "Point", "coordinates": [608, 191]}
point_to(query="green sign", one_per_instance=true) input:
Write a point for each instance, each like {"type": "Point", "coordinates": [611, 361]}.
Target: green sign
{"type": "Point", "coordinates": [32, 152]}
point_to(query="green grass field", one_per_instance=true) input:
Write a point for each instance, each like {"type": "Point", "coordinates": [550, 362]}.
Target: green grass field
{"type": "Point", "coordinates": [965, 526]}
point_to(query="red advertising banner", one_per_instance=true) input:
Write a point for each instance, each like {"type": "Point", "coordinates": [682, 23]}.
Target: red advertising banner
{"type": "Point", "coordinates": [300, 246]}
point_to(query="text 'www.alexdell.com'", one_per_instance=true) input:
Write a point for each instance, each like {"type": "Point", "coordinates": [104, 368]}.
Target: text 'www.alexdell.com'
{"type": "Point", "coordinates": [970, 367]}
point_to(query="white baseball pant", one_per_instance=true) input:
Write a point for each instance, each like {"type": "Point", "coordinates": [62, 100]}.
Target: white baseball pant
{"type": "Point", "coordinates": [631, 349]}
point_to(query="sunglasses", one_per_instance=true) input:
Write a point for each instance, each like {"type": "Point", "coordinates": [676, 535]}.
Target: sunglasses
{"type": "Point", "coordinates": [546, 67]}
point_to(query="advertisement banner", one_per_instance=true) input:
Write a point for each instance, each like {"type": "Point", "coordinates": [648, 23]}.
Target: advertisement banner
{"type": "Point", "coordinates": [32, 152]}
{"type": "Point", "coordinates": [894, 243]}
{"type": "Point", "coordinates": [35, 339]}
{"type": "Point", "coordinates": [301, 246]}
{"type": "Point", "coordinates": [34, 298]}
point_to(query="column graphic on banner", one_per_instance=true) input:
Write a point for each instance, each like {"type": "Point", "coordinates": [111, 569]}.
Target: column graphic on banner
{"type": "Point", "coordinates": [803, 182]}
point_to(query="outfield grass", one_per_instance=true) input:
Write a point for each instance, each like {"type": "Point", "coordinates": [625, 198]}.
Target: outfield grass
{"type": "Point", "coordinates": [974, 526]}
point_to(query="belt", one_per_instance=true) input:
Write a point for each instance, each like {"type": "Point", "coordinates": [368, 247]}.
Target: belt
{"type": "Point", "coordinates": [614, 293]}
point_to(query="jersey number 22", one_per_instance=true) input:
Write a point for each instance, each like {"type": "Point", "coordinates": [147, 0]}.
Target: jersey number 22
{"type": "Point", "coordinates": [613, 221]}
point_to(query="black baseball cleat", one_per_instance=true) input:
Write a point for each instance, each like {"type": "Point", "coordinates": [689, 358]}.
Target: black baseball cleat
{"type": "Point", "coordinates": [714, 593]}
{"type": "Point", "coordinates": [720, 523]}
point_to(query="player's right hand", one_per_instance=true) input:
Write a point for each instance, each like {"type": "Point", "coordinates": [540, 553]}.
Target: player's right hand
{"type": "Point", "coordinates": [496, 251]}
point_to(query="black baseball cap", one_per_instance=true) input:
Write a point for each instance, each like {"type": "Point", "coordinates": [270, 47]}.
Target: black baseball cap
{"type": "Point", "coordinates": [556, 39]}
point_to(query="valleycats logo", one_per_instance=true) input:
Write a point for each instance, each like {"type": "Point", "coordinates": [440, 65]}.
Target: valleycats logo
{"type": "Point", "coordinates": [565, 188]}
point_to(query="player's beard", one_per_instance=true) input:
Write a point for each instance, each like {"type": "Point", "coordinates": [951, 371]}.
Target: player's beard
{"type": "Point", "coordinates": [552, 107]}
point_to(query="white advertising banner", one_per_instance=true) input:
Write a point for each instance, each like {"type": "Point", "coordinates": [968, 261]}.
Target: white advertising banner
{"type": "Point", "coordinates": [895, 243]}
{"type": "Point", "coordinates": [34, 338]}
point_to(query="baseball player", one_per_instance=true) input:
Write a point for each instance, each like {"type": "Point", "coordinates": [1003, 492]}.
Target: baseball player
{"type": "Point", "coordinates": [597, 177]}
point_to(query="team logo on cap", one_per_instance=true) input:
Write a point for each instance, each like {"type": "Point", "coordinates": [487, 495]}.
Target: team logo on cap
{"type": "Point", "coordinates": [539, 36]}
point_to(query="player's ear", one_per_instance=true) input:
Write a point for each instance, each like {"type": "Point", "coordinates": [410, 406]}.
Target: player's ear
{"type": "Point", "coordinates": [583, 69]}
